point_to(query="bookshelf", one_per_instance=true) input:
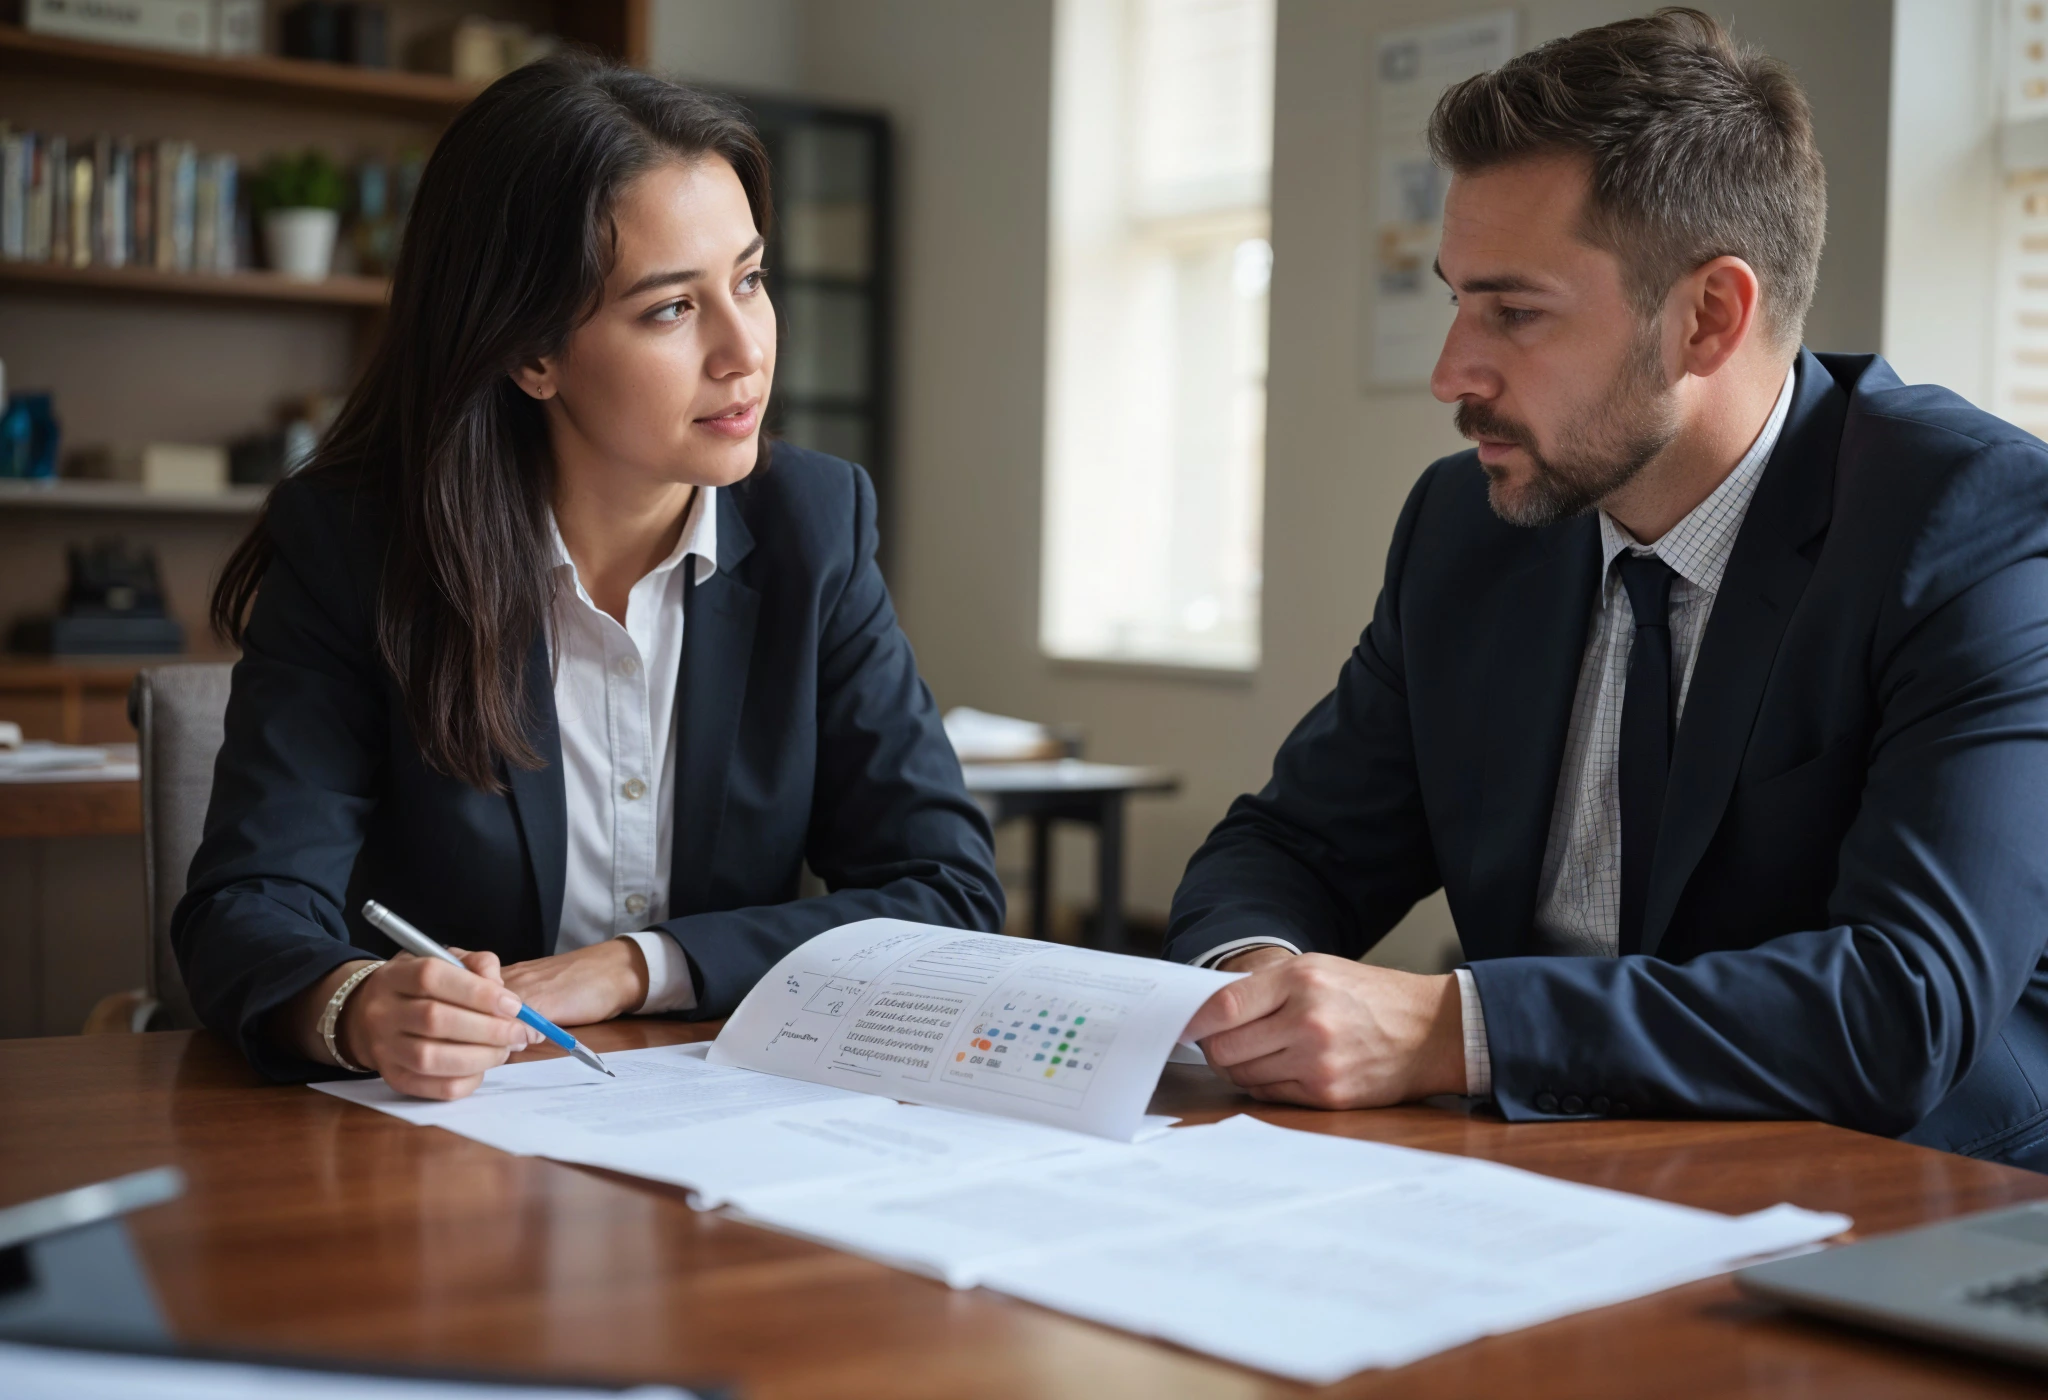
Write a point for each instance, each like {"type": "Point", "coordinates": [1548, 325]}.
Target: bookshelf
{"type": "Point", "coordinates": [240, 501]}
{"type": "Point", "coordinates": [831, 273]}
{"type": "Point", "coordinates": [136, 354]}
{"type": "Point", "coordinates": [392, 92]}
{"type": "Point", "coordinates": [248, 285]}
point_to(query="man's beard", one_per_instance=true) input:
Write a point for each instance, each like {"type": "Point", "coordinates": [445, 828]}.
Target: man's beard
{"type": "Point", "coordinates": [1599, 452]}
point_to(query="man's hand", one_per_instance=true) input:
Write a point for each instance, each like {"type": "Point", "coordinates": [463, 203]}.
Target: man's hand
{"type": "Point", "coordinates": [591, 984]}
{"type": "Point", "coordinates": [1331, 1033]}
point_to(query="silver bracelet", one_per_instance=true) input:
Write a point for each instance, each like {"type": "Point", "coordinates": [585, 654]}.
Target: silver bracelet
{"type": "Point", "coordinates": [330, 1016]}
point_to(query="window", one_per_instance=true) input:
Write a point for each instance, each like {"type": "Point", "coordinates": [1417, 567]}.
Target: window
{"type": "Point", "coordinates": [1156, 375]}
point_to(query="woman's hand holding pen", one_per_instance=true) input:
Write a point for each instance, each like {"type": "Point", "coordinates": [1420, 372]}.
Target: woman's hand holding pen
{"type": "Point", "coordinates": [431, 1029]}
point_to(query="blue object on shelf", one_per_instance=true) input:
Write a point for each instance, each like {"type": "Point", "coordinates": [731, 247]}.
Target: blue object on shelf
{"type": "Point", "coordinates": [28, 438]}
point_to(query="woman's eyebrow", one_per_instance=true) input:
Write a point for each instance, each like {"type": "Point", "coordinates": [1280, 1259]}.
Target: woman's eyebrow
{"type": "Point", "coordinates": [691, 274]}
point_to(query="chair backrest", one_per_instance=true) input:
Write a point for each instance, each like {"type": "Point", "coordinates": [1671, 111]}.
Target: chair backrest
{"type": "Point", "coordinates": [178, 711]}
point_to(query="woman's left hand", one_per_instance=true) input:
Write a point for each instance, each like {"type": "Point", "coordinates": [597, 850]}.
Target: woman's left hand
{"type": "Point", "coordinates": [591, 984]}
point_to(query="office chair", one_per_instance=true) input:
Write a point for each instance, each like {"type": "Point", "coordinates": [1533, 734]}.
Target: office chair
{"type": "Point", "coordinates": [177, 712]}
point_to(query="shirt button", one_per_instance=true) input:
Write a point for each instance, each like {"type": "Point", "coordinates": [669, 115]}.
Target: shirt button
{"type": "Point", "coordinates": [636, 904]}
{"type": "Point", "coordinates": [1600, 1103]}
{"type": "Point", "coordinates": [1546, 1103]}
{"type": "Point", "coordinates": [1572, 1103]}
{"type": "Point", "coordinates": [629, 665]}
{"type": "Point", "coordinates": [634, 791]}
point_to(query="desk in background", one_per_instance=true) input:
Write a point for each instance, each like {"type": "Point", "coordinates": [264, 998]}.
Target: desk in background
{"type": "Point", "coordinates": [72, 923]}
{"type": "Point", "coordinates": [1069, 789]}
{"type": "Point", "coordinates": [314, 1225]}
{"type": "Point", "coordinates": [74, 700]}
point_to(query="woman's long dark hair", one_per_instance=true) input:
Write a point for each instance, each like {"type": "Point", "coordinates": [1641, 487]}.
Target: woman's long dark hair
{"type": "Point", "coordinates": [506, 252]}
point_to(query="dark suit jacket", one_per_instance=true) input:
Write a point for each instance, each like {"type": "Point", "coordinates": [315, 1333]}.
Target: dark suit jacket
{"type": "Point", "coordinates": [803, 732]}
{"type": "Point", "coordinates": [1849, 898]}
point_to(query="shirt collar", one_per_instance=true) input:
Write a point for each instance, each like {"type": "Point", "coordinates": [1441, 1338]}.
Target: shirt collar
{"type": "Point", "coordinates": [1697, 547]}
{"type": "Point", "coordinates": [699, 538]}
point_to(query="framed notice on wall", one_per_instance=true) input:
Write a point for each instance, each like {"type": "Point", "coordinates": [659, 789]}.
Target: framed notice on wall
{"type": "Point", "coordinates": [1406, 309]}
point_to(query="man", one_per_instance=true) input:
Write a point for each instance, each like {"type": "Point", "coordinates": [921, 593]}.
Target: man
{"type": "Point", "coordinates": [1712, 687]}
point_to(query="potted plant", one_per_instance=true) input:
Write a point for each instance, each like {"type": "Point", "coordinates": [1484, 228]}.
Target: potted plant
{"type": "Point", "coordinates": [297, 199]}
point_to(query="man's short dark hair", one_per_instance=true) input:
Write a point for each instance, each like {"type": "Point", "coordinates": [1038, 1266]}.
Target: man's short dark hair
{"type": "Point", "coordinates": [1699, 148]}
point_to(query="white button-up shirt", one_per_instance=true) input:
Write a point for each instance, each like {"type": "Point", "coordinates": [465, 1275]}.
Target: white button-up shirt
{"type": "Point", "coordinates": [615, 693]}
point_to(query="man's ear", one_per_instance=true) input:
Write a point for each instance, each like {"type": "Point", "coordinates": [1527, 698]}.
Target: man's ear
{"type": "Point", "coordinates": [536, 378]}
{"type": "Point", "coordinates": [1720, 305]}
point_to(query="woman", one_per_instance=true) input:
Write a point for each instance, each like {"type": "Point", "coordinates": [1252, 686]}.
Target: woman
{"type": "Point", "coordinates": [546, 650]}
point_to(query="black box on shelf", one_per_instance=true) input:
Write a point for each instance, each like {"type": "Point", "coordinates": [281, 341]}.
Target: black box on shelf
{"type": "Point", "coordinates": [333, 32]}
{"type": "Point", "coordinates": [98, 636]}
{"type": "Point", "coordinates": [113, 606]}
{"type": "Point", "coordinates": [312, 29]}
{"type": "Point", "coordinates": [364, 36]}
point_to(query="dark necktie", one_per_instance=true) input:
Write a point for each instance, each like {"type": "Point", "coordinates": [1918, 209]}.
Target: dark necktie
{"type": "Point", "coordinates": [1646, 725]}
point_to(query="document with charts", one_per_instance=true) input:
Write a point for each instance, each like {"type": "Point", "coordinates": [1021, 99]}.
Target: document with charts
{"type": "Point", "coordinates": [1068, 1037]}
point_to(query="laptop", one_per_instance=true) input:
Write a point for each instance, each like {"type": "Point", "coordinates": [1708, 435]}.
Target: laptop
{"type": "Point", "coordinates": [1980, 1283]}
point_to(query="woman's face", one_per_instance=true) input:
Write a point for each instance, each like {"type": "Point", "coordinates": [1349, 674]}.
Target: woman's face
{"type": "Point", "coordinates": [668, 382]}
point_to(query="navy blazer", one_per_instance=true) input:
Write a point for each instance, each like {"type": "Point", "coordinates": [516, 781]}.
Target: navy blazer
{"type": "Point", "coordinates": [803, 733]}
{"type": "Point", "coordinates": [1848, 902]}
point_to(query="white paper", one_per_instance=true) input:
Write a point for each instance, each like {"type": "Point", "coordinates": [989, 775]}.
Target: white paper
{"type": "Point", "coordinates": [1304, 1254]}
{"type": "Point", "coordinates": [1395, 1270]}
{"type": "Point", "coordinates": [948, 1229]}
{"type": "Point", "coordinates": [719, 1131]}
{"type": "Point", "coordinates": [821, 1146]}
{"type": "Point", "coordinates": [61, 1373]}
{"type": "Point", "coordinates": [1068, 1037]}
{"type": "Point", "coordinates": [528, 1108]}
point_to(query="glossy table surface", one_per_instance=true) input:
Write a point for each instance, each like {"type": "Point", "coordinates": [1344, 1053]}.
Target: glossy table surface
{"type": "Point", "coordinates": [313, 1224]}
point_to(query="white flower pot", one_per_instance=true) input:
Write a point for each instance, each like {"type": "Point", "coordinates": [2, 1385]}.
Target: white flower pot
{"type": "Point", "coordinates": [301, 241]}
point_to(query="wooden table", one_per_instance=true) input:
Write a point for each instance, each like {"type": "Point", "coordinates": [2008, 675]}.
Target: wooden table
{"type": "Point", "coordinates": [312, 1224]}
{"type": "Point", "coordinates": [74, 700]}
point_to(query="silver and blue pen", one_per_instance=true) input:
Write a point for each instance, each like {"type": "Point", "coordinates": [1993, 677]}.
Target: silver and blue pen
{"type": "Point", "coordinates": [413, 941]}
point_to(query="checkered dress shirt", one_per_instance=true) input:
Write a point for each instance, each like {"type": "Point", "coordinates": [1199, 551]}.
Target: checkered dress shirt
{"type": "Point", "coordinates": [1578, 902]}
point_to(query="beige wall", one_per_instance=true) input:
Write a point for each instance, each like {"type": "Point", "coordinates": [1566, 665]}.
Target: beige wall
{"type": "Point", "coordinates": [749, 45]}
{"type": "Point", "coordinates": [969, 88]}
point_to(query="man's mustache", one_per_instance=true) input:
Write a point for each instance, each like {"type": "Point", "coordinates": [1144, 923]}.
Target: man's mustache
{"type": "Point", "coordinates": [1476, 420]}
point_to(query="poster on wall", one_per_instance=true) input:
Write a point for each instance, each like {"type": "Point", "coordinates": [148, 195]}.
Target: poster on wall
{"type": "Point", "coordinates": [1407, 309]}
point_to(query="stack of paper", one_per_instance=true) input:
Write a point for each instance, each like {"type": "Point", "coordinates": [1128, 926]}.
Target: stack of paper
{"type": "Point", "coordinates": [1302, 1254]}
{"type": "Point", "coordinates": [41, 761]}
{"type": "Point", "coordinates": [980, 737]}
{"type": "Point", "coordinates": [721, 1133]}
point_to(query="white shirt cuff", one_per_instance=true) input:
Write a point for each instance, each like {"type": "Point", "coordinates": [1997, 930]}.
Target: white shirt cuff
{"type": "Point", "coordinates": [1239, 945]}
{"type": "Point", "coordinates": [669, 986]}
{"type": "Point", "coordinates": [1478, 1060]}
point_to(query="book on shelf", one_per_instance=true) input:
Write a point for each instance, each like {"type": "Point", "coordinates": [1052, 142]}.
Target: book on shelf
{"type": "Point", "coordinates": [81, 209]}
{"type": "Point", "coordinates": [142, 226]}
{"type": "Point", "coordinates": [115, 202]}
{"type": "Point", "coordinates": [15, 152]}
{"type": "Point", "coordinates": [47, 237]}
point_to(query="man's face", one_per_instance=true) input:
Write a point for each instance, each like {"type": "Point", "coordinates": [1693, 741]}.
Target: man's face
{"type": "Point", "coordinates": [1556, 378]}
